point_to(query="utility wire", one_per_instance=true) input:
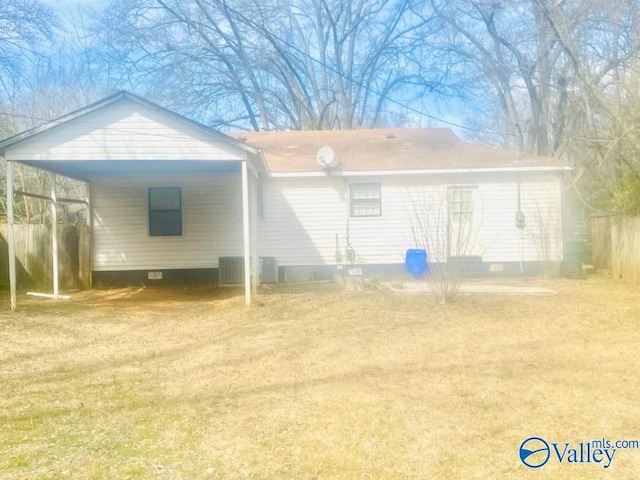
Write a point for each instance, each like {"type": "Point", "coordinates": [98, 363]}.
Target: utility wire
{"type": "Point", "coordinates": [336, 72]}
{"type": "Point", "coordinates": [362, 85]}
{"type": "Point", "coordinates": [16, 115]}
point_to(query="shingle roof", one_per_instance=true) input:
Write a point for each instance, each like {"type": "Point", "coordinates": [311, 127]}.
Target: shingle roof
{"type": "Point", "coordinates": [384, 150]}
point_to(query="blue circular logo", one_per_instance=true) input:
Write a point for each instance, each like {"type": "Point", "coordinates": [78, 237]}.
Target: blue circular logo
{"type": "Point", "coordinates": [534, 452]}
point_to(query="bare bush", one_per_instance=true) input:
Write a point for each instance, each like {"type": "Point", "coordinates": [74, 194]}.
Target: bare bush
{"type": "Point", "coordinates": [542, 231]}
{"type": "Point", "coordinates": [443, 222]}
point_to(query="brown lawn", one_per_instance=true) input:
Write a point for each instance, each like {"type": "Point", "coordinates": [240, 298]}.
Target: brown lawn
{"type": "Point", "coordinates": [314, 382]}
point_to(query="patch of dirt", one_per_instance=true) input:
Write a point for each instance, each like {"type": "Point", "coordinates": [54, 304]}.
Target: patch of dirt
{"type": "Point", "coordinates": [137, 300]}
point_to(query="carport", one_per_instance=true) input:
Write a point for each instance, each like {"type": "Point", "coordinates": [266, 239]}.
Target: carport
{"type": "Point", "coordinates": [125, 148]}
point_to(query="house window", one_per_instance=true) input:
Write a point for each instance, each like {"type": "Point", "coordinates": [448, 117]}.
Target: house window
{"type": "Point", "coordinates": [465, 223]}
{"type": "Point", "coordinates": [165, 212]}
{"type": "Point", "coordinates": [365, 200]}
{"type": "Point", "coordinates": [461, 206]}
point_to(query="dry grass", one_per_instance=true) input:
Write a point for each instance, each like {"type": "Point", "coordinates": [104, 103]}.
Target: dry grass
{"type": "Point", "coordinates": [317, 383]}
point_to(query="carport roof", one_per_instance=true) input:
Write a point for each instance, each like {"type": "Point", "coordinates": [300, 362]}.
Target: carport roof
{"type": "Point", "coordinates": [83, 169]}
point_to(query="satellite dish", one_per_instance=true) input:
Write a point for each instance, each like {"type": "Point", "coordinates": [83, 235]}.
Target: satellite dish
{"type": "Point", "coordinates": [325, 156]}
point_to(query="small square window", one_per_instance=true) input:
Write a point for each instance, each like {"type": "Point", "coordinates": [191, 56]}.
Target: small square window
{"type": "Point", "coordinates": [165, 212]}
{"type": "Point", "coordinates": [365, 200]}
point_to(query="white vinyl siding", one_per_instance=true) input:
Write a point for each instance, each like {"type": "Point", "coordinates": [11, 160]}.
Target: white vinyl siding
{"type": "Point", "coordinates": [540, 201]}
{"type": "Point", "coordinates": [304, 216]}
{"type": "Point", "coordinates": [307, 220]}
{"type": "Point", "coordinates": [385, 239]}
{"type": "Point", "coordinates": [301, 220]}
{"type": "Point", "coordinates": [121, 238]}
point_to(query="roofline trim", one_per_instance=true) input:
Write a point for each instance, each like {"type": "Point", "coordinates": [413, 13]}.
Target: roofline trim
{"type": "Point", "coordinates": [432, 171]}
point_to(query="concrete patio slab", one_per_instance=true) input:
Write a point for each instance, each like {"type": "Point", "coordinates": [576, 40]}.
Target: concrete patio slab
{"type": "Point", "coordinates": [413, 286]}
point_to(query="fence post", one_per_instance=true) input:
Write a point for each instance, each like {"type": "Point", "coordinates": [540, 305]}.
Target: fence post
{"type": "Point", "coordinates": [84, 252]}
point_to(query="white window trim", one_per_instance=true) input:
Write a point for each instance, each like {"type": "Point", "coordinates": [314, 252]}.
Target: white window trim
{"type": "Point", "coordinates": [351, 203]}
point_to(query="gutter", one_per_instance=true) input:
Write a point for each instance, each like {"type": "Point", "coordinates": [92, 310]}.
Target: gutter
{"type": "Point", "coordinates": [434, 171]}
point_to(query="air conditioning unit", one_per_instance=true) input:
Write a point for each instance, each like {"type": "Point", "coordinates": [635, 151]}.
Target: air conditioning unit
{"type": "Point", "coordinates": [231, 270]}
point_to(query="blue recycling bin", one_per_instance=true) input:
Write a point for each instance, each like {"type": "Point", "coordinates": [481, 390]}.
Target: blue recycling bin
{"type": "Point", "coordinates": [416, 262]}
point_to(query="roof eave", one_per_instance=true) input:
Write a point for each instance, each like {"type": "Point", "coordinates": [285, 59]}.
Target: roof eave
{"type": "Point", "coordinates": [431, 171]}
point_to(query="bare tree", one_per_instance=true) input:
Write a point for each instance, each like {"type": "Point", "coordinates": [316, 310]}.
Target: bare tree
{"type": "Point", "coordinates": [24, 26]}
{"type": "Point", "coordinates": [273, 64]}
{"type": "Point", "coordinates": [553, 77]}
{"type": "Point", "coordinates": [56, 85]}
{"type": "Point", "coordinates": [514, 50]}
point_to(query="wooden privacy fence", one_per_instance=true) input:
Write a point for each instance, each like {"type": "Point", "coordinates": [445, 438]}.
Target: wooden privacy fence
{"type": "Point", "coordinates": [601, 242]}
{"type": "Point", "coordinates": [616, 246]}
{"type": "Point", "coordinates": [33, 256]}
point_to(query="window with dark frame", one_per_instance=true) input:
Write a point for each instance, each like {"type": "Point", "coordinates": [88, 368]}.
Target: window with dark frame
{"type": "Point", "coordinates": [165, 212]}
{"type": "Point", "coordinates": [365, 200]}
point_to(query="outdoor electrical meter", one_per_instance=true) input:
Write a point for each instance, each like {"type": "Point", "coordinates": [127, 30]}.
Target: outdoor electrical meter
{"type": "Point", "coordinates": [520, 222]}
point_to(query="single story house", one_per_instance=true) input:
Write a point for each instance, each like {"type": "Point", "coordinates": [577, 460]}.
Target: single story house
{"type": "Point", "coordinates": [171, 199]}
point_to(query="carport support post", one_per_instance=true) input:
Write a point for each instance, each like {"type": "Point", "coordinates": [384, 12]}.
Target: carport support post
{"type": "Point", "coordinates": [54, 233]}
{"type": "Point", "coordinates": [10, 236]}
{"type": "Point", "coordinates": [255, 260]}
{"type": "Point", "coordinates": [89, 200]}
{"type": "Point", "coordinates": [245, 233]}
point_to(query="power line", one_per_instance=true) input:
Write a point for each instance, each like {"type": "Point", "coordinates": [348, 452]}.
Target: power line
{"type": "Point", "coordinates": [364, 86]}
{"type": "Point", "coordinates": [28, 117]}
{"type": "Point", "coordinates": [334, 71]}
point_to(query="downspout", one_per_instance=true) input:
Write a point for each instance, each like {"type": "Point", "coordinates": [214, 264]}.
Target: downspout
{"type": "Point", "coordinates": [520, 219]}
{"type": "Point", "coordinates": [349, 253]}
